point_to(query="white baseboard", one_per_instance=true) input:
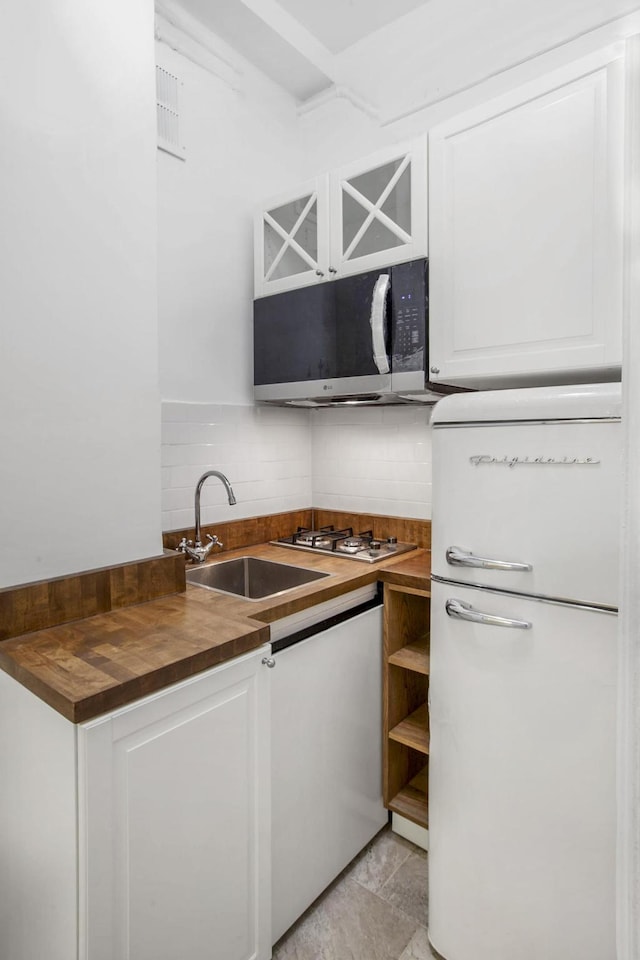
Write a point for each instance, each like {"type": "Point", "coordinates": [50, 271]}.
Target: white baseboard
{"type": "Point", "coordinates": [410, 831]}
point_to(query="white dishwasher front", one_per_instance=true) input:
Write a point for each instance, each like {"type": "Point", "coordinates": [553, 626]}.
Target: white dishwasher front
{"type": "Point", "coordinates": [326, 728]}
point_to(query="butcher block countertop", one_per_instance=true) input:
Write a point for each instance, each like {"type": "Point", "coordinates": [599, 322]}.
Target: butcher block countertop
{"type": "Point", "coordinates": [88, 667]}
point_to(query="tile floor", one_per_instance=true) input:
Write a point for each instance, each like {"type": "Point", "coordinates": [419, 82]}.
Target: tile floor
{"type": "Point", "coordinates": [375, 910]}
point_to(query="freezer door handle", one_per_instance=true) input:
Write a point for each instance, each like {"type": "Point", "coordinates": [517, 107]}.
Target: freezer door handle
{"type": "Point", "coordinates": [464, 611]}
{"type": "Point", "coordinates": [458, 557]}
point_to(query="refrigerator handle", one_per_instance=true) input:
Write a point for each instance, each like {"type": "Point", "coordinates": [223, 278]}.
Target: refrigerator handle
{"type": "Point", "coordinates": [458, 557]}
{"type": "Point", "coordinates": [377, 321]}
{"type": "Point", "coordinates": [464, 611]}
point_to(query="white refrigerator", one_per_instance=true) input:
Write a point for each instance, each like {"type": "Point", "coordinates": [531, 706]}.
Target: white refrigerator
{"type": "Point", "coordinates": [526, 492]}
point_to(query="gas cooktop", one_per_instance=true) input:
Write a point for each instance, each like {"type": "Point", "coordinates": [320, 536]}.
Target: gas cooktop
{"type": "Point", "coordinates": [344, 543]}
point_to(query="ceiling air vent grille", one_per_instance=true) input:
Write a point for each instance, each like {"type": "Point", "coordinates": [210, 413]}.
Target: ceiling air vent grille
{"type": "Point", "coordinates": [168, 113]}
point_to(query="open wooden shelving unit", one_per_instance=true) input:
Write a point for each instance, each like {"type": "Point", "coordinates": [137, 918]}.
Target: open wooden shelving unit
{"type": "Point", "coordinates": [405, 695]}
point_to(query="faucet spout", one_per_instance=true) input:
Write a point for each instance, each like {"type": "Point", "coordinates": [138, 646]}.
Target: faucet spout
{"type": "Point", "coordinates": [230, 496]}
{"type": "Point", "coordinates": [195, 551]}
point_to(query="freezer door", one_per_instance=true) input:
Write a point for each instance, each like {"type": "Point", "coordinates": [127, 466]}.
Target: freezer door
{"type": "Point", "coordinates": [521, 779]}
{"type": "Point", "coordinates": [529, 507]}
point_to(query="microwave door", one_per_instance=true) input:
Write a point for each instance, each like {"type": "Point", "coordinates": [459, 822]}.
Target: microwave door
{"type": "Point", "coordinates": [318, 342]}
{"type": "Point", "coordinates": [362, 335]}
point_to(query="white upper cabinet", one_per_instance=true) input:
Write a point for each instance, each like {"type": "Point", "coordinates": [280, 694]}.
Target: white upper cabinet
{"type": "Point", "coordinates": [379, 210]}
{"type": "Point", "coordinates": [525, 232]}
{"type": "Point", "coordinates": [366, 215]}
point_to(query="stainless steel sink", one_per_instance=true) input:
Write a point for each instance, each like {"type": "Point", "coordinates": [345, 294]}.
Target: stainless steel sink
{"type": "Point", "coordinates": [251, 577]}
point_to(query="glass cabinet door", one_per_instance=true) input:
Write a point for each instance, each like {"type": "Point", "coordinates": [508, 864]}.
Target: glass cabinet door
{"type": "Point", "coordinates": [291, 240]}
{"type": "Point", "coordinates": [379, 213]}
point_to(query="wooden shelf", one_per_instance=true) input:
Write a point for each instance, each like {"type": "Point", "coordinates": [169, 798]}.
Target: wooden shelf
{"type": "Point", "coordinates": [413, 731]}
{"type": "Point", "coordinates": [411, 802]}
{"type": "Point", "coordinates": [405, 694]}
{"type": "Point", "coordinates": [415, 656]}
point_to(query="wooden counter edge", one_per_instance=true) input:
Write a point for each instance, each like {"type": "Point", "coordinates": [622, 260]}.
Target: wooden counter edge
{"type": "Point", "coordinates": [412, 570]}
{"type": "Point", "coordinates": [124, 692]}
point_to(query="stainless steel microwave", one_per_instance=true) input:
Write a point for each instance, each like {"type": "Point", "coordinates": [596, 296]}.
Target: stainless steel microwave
{"type": "Point", "coordinates": [360, 339]}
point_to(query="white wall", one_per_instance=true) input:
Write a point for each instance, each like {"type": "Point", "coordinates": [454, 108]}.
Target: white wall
{"type": "Point", "coordinates": [241, 145]}
{"type": "Point", "coordinates": [79, 432]}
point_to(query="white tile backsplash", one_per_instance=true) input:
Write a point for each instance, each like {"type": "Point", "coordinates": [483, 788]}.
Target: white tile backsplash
{"type": "Point", "coordinates": [265, 453]}
{"type": "Point", "coordinates": [368, 460]}
{"type": "Point", "coordinates": [373, 460]}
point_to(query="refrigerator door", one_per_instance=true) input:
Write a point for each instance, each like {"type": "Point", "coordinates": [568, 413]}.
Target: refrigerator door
{"type": "Point", "coordinates": [530, 507]}
{"type": "Point", "coordinates": [521, 779]}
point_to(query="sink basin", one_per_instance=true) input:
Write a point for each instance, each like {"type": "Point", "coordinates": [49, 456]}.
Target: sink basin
{"type": "Point", "coordinates": [251, 577]}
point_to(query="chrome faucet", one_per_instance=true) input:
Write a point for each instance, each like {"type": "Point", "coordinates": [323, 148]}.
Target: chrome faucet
{"type": "Point", "coordinates": [196, 552]}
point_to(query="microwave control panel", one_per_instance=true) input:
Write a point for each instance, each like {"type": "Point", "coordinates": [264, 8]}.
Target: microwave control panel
{"type": "Point", "coordinates": [410, 315]}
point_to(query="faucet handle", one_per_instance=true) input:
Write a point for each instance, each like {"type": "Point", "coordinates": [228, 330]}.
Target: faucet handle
{"type": "Point", "coordinates": [214, 541]}
{"type": "Point", "coordinates": [182, 546]}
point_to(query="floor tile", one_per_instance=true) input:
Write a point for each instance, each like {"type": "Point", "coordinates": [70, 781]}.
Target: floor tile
{"type": "Point", "coordinates": [348, 923]}
{"type": "Point", "coordinates": [407, 888]}
{"type": "Point", "coordinates": [380, 860]}
{"type": "Point", "coordinates": [418, 947]}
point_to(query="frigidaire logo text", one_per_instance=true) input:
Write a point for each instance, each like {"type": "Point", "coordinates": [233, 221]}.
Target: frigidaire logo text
{"type": "Point", "coordinates": [480, 458]}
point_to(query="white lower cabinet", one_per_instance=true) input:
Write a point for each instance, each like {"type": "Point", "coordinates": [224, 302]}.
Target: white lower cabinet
{"type": "Point", "coordinates": [147, 833]}
{"type": "Point", "coordinates": [326, 759]}
{"type": "Point", "coordinates": [174, 821]}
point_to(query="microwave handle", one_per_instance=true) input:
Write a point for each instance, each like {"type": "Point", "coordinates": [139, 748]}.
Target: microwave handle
{"type": "Point", "coordinates": [377, 321]}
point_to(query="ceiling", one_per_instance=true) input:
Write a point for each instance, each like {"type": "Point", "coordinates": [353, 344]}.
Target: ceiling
{"type": "Point", "coordinates": [297, 43]}
{"type": "Point", "coordinates": [380, 52]}
{"type": "Point", "coordinates": [340, 23]}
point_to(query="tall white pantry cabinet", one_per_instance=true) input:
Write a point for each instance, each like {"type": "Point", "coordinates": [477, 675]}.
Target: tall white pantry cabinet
{"type": "Point", "coordinates": [525, 232]}
{"type": "Point", "coordinates": [142, 834]}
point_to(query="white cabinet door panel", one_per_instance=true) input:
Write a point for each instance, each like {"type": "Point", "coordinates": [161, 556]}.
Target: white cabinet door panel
{"type": "Point", "coordinates": [175, 822]}
{"type": "Point", "coordinates": [525, 232]}
{"type": "Point", "coordinates": [38, 882]}
{"type": "Point", "coordinates": [379, 210]}
{"type": "Point", "coordinates": [291, 239]}
{"type": "Point", "coordinates": [326, 701]}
